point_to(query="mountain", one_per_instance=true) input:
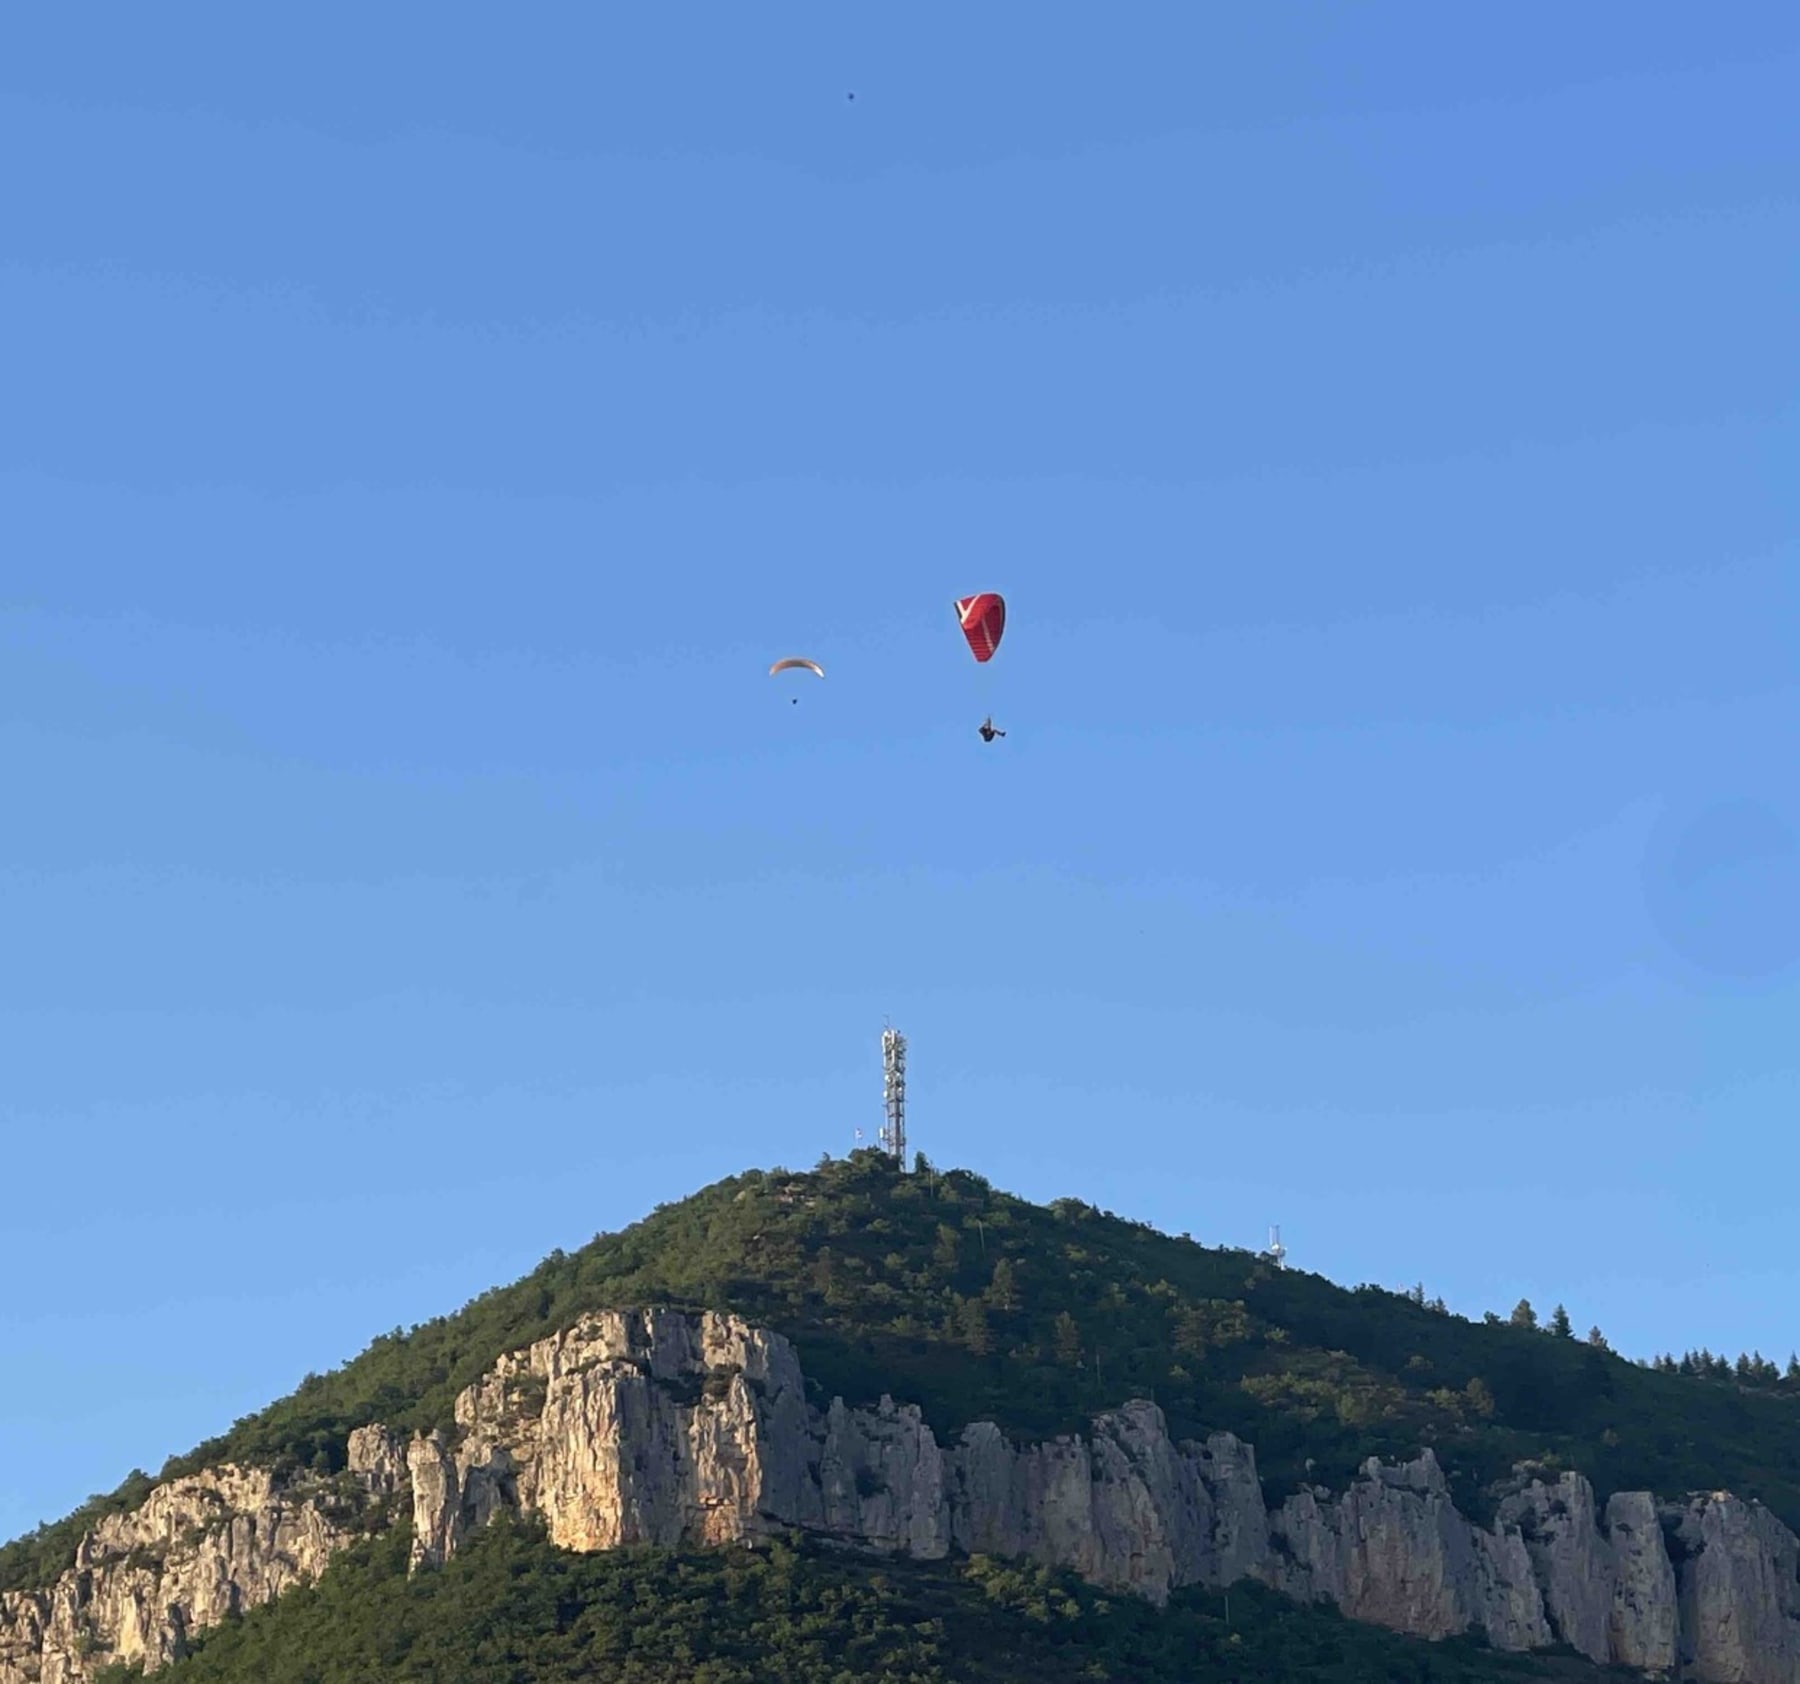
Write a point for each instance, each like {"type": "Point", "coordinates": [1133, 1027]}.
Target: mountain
{"type": "Point", "coordinates": [1160, 1419]}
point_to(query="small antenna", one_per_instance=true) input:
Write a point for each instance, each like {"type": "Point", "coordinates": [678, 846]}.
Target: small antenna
{"type": "Point", "coordinates": [893, 1070]}
{"type": "Point", "coordinates": [1277, 1251]}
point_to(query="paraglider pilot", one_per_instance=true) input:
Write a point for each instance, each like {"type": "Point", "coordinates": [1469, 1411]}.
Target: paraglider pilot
{"type": "Point", "coordinates": [989, 731]}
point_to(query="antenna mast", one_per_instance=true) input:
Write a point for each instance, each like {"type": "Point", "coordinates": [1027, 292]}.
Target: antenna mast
{"type": "Point", "coordinates": [1277, 1251]}
{"type": "Point", "coordinates": [893, 1068]}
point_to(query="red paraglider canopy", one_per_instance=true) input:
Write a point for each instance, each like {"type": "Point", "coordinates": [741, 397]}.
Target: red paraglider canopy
{"type": "Point", "coordinates": [983, 620]}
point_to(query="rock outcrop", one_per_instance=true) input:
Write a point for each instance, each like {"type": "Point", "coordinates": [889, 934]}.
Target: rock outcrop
{"type": "Point", "coordinates": [658, 1428]}
{"type": "Point", "coordinates": [1643, 1629]}
{"type": "Point", "coordinates": [663, 1428]}
{"type": "Point", "coordinates": [1739, 1595]}
{"type": "Point", "coordinates": [1394, 1551]}
{"type": "Point", "coordinates": [199, 1549]}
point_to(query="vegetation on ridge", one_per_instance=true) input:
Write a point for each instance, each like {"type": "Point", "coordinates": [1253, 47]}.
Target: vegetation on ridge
{"type": "Point", "coordinates": [975, 1305]}
{"type": "Point", "coordinates": [508, 1606]}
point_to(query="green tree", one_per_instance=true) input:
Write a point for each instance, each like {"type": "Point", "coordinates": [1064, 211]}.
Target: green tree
{"type": "Point", "coordinates": [1523, 1315]}
{"type": "Point", "coordinates": [1598, 1339]}
{"type": "Point", "coordinates": [1003, 1289]}
{"type": "Point", "coordinates": [1067, 1340]}
{"type": "Point", "coordinates": [1214, 1323]}
{"type": "Point", "coordinates": [972, 1326]}
{"type": "Point", "coordinates": [1559, 1323]}
{"type": "Point", "coordinates": [1190, 1332]}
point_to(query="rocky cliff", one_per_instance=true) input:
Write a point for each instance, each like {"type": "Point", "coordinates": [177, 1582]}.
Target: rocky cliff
{"type": "Point", "coordinates": [657, 1427]}
{"type": "Point", "coordinates": [198, 1550]}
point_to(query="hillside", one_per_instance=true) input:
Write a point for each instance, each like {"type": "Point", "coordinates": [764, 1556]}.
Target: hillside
{"type": "Point", "coordinates": [511, 1608]}
{"type": "Point", "coordinates": [973, 1304]}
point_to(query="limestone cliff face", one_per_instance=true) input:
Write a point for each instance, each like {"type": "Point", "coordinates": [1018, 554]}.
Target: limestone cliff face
{"type": "Point", "coordinates": [1393, 1550]}
{"type": "Point", "coordinates": [662, 1428]}
{"type": "Point", "coordinates": [198, 1550]}
{"type": "Point", "coordinates": [1739, 1600]}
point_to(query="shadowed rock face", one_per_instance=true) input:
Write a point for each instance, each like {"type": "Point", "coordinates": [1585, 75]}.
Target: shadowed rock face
{"type": "Point", "coordinates": [663, 1428]}
{"type": "Point", "coordinates": [1739, 1598]}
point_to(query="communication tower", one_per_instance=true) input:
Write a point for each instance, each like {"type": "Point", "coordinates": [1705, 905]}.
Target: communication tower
{"type": "Point", "coordinates": [1277, 1251]}
{"type": "Point", "coordinates": [893, 1068]}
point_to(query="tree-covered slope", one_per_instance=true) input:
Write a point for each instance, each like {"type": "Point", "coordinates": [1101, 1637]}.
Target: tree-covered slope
{"type": "Point", "coordinates": [510, 1607]}
{"type": "Point", "coordinates": [940, 1290]}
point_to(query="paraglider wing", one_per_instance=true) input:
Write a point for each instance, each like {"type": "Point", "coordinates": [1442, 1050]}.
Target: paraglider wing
{"type": "Point", "coordinates": [983, 620]}
{"type": "Point", "coordinates": [796, 661]}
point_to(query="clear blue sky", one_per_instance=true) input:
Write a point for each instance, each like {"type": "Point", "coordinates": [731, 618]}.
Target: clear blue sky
{"type": "Point", "coordinates": [420, 432]}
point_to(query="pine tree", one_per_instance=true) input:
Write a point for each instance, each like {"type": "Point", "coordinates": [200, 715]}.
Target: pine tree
{"type": "Point", "coordinates": [1003, 1289]}
{"type": "Point", "coordinates": [1523, 1315]}
{"type": "Point", "coordinates": [972, 1325]}
{"type": "Point", "coordinates": [1559, 1323]}
{"type": "Point", "coordinates": [1068, 1340]}
{"type": "Point", "coordinates": [1598, 1339]}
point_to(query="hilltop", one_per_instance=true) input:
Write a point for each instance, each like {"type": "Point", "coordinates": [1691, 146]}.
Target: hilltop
{"type": "Point", "coordinates": [976, 1305]}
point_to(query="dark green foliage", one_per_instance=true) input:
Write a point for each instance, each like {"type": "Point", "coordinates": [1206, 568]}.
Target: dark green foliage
{"type": "Point", "coordinates": [510, 1609]}
{"type": "Point", "coordinates": [1752, 1370]}
{"type": "Point", "coordinates": [972, 1324]}
{"type": "Point", "coordinates": [1003, 1286]}
{"type": "Point", "coordinates": [976, 1305]}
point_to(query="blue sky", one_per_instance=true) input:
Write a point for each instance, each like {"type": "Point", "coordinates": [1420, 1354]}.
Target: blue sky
{"type": "Point", "coordinates": [419, 437]}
